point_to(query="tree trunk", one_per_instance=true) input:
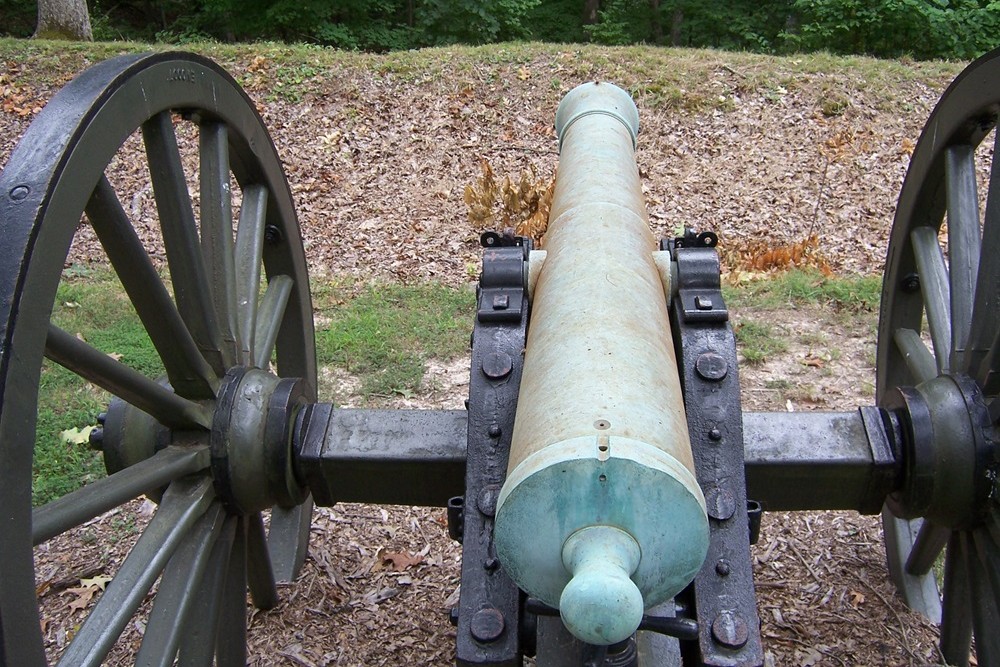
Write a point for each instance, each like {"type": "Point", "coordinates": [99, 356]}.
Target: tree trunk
{"type": "Point", "coordinates": [654, 18]}
{"type": "Point", "coordinates": [64, 19]}
{"type": "Point", "coordinates": [590, 9]}
{"type": "Point", "coordinates": [675, 27]}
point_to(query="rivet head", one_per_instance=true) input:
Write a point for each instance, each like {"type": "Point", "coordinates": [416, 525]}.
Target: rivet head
{"type": "Point", "coordinates": [497, 365]}
{"type": "Point", "coordinates": [711, 366]}
{"type": "Point", "coordinates": [715, 434]}
{"type": "Point", "coordinates": [486, 501]}
{"type": "Point", "coordinates": [20, 192]}
{"type": "Point", "coordinates": [721, 504]}
{"type": "Point", "coordinates": [722, 568]}
{"type": "Point", "coordinates": [495, 431]}
{"type": "Point", "coordinates": [730, 630]}
{"type": "Point", "coordinates": [487, 625]}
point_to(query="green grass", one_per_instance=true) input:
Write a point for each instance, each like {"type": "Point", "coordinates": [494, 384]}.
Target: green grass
{"type": "Point", "coordinates": [798, 287]}
{"type": "Point", "coordinates": [692, 80]}
{"type": "Point", "coordinates": [758, 341]}
{"type": "Point", "coordinates": [385, 333]}
{"type": "Point", "coordinates": [89, 303]}
{"type": "Point", "coordinates": [851, 301]}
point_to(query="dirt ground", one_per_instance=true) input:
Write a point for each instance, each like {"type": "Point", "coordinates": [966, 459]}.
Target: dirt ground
{"type": "Point", "coordinates": [379, 150]}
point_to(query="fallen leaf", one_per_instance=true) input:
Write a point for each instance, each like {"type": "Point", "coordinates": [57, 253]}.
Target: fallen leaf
{"type": "Point", "coordinates": [814, 362]}
{"type": "Point", "coordinates": [400, 561]}
{"type": "Point", "coordinates": [82, 597]}
{"type": "Point", "coordinates": [857, 599]}
{"type": "Point", "coordinates": [76, 436]}
{"type": "Point", "coordinates": [100, 581]}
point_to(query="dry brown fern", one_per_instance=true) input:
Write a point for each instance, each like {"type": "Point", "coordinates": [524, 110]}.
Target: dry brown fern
{"type": "Point", "coordinates": [521, 204]}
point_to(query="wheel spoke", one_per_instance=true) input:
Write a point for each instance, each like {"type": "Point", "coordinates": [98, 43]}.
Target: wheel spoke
{"type": "Point", "coordinates": [936, 295]}
{"type": "Point", "coordinates": [919, 592]}
{"type": "Point", "coordinates": [930, 541]}
{"type": "Point", "coordinates": [956, 613]}
{"type": "Point", "coordinates": [260, 576]}
{"type": "Point", "coordinates": [179, 586]}
{"type": "Point", "coordinates": [231, 643]}
{"type": "Point", "coordinates": [188, 372]}
{"type": "Point", "coordinates": [288, 539]}
{"type": "Point", "coordinates": [918, 358]}
{"type": "Point", "coordinates": [105, 494]}
{"type": "Point", "coordinates": [984, 584]}
{"type": "Point", "coordinates": [100, 369]}
{"type": "Point", "coordinates": [964, 241]}
{"type": "Point", "coordinates": [198, 639]}
{"type": "Point", "coordinates": [984, 337]}
{"type": "Point", "coordinates": [249, 252]}
{"type": "Point", "coordinates": [183, 503]}
{"type": "Point", "coordinates": [180, 238]}
{"type": "Point", "coordinates": [272, 311]}
{"type": "Point", "coordinates": [217, 230]}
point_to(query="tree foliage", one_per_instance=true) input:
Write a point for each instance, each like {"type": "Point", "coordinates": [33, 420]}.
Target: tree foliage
{"type": "Point", "coordinates": [959, 29]}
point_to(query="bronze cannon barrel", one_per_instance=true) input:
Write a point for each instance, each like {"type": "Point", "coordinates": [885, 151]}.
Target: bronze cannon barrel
{"type": "Point", "coordinates": [601, 514]}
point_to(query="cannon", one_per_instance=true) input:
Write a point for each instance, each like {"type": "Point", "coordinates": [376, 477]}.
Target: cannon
{"type": "Point", "coordinates": [604, 481]}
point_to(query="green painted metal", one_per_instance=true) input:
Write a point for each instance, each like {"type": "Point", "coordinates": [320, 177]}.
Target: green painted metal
{"type": "Point", "coordinates": [184, 502]}
{"type": "Point", "coordinates": [270, 315]}
{"type": "Point", "coordinates": [180, 587]}
{"type": "Point", "coordinates": [105, 494]}
{"type": "Point", "coordinates": [188, 372]}
{"type": "Point", "coordinates": [957, 290]}
{"type": "Point", "coordinates": [96, 366]}
{"type": "Point", "coordinates": [188, 273]}
{"type": "Point", "coordinates": [217, 231]}
{"type": "Point", "coordinates": [249, 247]}
{"type": "Point", "coordinates": [60, 164]}
{"type": "Point", "coordinates": [201, 628]}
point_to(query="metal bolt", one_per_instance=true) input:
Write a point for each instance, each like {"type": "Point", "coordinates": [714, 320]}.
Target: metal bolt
{"type": "Point", "coordinates": [487, 625]}
{"type": "Point", "coordinates": [495, 431]}
{"type": "Point", "coordinates": [491, 564]}
{"type": "Point", "coordinates": [497, 365]}
{"type": "Point", "coordinates": [501, 302]}
{"type": "Point", "coordinates": [715, 434]}
{"type": "Point", "coordinates": [703, 303]}
{"type": "Point", "coordinates": [20, 192]}
{"type": "Point", "coordinates": [711, 366]}
{"type": "Point", "coordinates": [910, 282]}
{"type": "Point", "coordinates": [453, 616]}
{"type": "Point", "coordinates": [722, 568]}
{"type": "Point", "coordinates": [730, 630]}
{"type": "Point", "coordinates": [102, 417]}
{"type": "Point", "coordinates": [273, 234]}
{"type": "Point", "coordinates": [721, 504]}
{"type": "Point", "coordinates": [96, 439]}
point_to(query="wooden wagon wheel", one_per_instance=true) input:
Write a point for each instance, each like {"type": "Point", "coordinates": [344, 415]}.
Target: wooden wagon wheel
{"type": "Point", "coordinates": [216, 329]}
{"type": "Point", "coordinates": [950, 281]}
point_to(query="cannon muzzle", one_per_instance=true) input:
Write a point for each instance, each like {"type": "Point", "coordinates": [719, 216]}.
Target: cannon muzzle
{"type": "Point", "coordinates": [601, 514]}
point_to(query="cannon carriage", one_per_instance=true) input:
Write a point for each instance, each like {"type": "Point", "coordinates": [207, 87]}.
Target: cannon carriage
{"type": "Point", "coordinates": [629, 461]}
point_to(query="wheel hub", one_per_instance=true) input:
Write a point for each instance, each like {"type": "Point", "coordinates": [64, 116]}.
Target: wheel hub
{"type": "Point", "coordinates": [251, 440]}
{"type": "Point", "coordinates": [948, 451]}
